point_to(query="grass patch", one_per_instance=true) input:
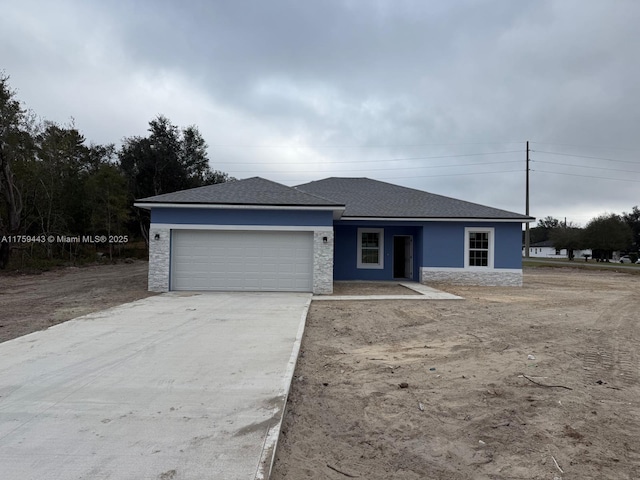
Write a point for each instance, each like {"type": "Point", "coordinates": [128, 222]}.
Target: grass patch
{"type": "Point", "coordinates": [590, 265]}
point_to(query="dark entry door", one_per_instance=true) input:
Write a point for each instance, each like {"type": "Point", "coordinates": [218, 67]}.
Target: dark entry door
{"type": "Point", "coordinates": [403, 256]}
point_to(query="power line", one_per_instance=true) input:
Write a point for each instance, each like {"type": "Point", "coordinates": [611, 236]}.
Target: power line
{"type": "Point", "coordinates": [387, 160]}
{"type": "Point", "coordinates": [383, 169]}
{"type": "Point", "coordinates": [585, 166]}
{"type": "Point", "coordinates": [456, 174]}
{"type": "Point", "coordinates": [586, 156]}
{"type": "Point", "coordinates": [588, 146]}
{"type": "Point", "coordinates": [232, 145]}
{"type": "Point", "coordinates": [440, 175]}
{"type": "Point", "coordinates": [587, 176]}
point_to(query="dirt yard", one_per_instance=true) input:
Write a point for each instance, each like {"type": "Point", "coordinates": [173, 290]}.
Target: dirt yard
{"type": "Point", "coordinates": [34, 302]}
{"type": "Point", "coordinates": [539, 382]}
{"type": "Point", "coordinates": [431, 389]}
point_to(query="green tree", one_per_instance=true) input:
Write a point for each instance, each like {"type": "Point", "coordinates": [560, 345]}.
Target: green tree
{"type": "Point", "coordinates": [542, 231]}
{"type": "Point", "coordinates": [567, 237]}
{"type": "Point", "coordinates": [107, 199]}
{"type": "Point", "coordinates": [61, 167]}
{"type": "Point", "coordinates": [167, 160]}
{"type": "Point", "coordinates": [633, 220]}
{"type": "Point", "coordinates": [606, 234]}
{"type": "Point", "coordinates": [56, 185]}
{"type": "Point", "coordinates": [15, 146]}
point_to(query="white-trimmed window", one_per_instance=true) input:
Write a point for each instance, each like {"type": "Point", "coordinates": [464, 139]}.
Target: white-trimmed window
{"type": "Point", "coordinates": [478, 250]}
{"type": "Point", "coordinates": [370, 248]}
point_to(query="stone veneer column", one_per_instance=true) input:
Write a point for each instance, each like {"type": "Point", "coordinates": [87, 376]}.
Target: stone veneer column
{"type": "Point", "coordinates": [323, 262]}
{"type": "Point", "coordinates": [159, 258]}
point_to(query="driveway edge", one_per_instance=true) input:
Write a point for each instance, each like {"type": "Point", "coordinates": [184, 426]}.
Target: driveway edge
{"type": "Point", "coordinates": [270, 445]}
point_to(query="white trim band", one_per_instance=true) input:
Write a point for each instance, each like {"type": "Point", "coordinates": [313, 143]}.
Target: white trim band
{"type": "Point", "coordinates": [282, 228]}
{"type": "Point", "coordinates": [445, 219]}
{"type": "Point", "coordinates": [471, 270]}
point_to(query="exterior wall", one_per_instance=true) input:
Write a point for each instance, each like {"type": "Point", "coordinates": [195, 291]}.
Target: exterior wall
{"type": "Point", "coordinates": [165, 220]}
{"type": "Point", "coordinates": [323, 262]}
{"type": "Point", "coordinates": [460, 276]}
{"type": "Point", "coordinates": [238, 216]}
{"type": "Point", "coordinates": [439, 252]}
{"type": "Point", "coordinates": [159, 259]}
{"type": "Point", "coordinates": [346, 250]}
{"type": "Point", "coordinates": [443, 244]}
{"type": "Point", "coordinates": [438, 247]}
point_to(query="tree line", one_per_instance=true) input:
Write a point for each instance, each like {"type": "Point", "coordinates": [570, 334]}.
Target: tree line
{"type": "Point", "coordinates": [54, 185]}
{"type": "Point", "coordinates": [604, 234]}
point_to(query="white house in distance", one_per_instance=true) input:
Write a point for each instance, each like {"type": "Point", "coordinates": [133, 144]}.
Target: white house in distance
{"type": "Point", "coordinates": [547, 250]}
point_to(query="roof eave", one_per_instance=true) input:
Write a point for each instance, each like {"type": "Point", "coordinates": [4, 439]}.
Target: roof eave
{"type": "Point", "coordinates": [440, 219]}
{"type": "Point", "coordinates": [245, 206]}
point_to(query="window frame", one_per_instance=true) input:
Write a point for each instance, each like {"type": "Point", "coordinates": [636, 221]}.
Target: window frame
{"type": "Point", "coordinates": [490, 250]}
{"type": "Point", "coordinates": [380, 264]}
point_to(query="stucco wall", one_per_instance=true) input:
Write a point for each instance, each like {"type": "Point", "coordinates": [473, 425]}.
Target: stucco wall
{"type": "Point", "coordinates": [346, 251]}
{"type": "Point", "coordinates": [241, 216]}
{"type": "Point", "coordinates": [443, 245]}
{"type": "Point", "coordinates": [436, 245]}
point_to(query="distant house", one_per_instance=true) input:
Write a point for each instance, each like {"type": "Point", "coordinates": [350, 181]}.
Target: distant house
{"type": "Point", "coordinates": [547, 250]}
{"type": "Point", "coordinates": [258, 235]}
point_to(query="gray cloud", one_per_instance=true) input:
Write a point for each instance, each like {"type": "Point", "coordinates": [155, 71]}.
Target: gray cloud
{"type": "Point", "coordinates": [295, 91]}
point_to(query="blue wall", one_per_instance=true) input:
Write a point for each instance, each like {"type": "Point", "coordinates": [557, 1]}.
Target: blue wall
{"type": "Point", "coordinates": [346, 250]}
{"type": "Point", "coordinates": [435, 244]}
{"type": "Point", "coordinates": [443, 244]}
{"type": "Point", "coordinates": [218, 216]}
{"type": "Point", "coordinates": [508, 245]}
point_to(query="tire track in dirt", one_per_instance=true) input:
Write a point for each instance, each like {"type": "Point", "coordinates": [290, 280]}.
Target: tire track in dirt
{"type": "Point", "coordinates": [608, 357]}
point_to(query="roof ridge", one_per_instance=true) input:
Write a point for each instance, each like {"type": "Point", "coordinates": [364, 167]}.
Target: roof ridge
{"type": "Point", "coordinates": [317, 196]}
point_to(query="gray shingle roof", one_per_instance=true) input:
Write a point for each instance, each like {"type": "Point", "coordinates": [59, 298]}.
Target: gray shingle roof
{"type": "Point", "coordinates": [364, 197]}
{"type": "Point", "coordinates": [250, 191]}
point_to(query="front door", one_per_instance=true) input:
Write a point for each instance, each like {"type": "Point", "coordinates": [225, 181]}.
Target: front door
{"type": "Point", "coordinates": [403, 256]}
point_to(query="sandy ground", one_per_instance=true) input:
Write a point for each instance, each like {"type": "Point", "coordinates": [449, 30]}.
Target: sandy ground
{"type": "Point", "coordinates": [371, 288]}
{"type": "Point", "coordinates": [447, 390]}
{"type": "Point", "coordinates": [34, 302]}
{"type": "Point", "coordinates": [431, 390]}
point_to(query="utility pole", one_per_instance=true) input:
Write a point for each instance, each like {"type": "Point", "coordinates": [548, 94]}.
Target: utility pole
{"type": "Point", "coordinates": [527, 239]}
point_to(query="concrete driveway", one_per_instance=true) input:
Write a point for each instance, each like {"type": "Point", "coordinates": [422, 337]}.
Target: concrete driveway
{"type": "Point", "coordinates": [172, 387]}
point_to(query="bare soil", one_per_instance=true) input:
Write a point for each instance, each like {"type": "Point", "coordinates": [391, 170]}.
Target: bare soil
{"type": "Point", "coordinates": [448, 390]}
{"type": "Point", "coordinates": [371, 288]}
{"type": "Point", "coordinates": [35, 302]}
{"type": "Point", "coordinates": [431, 390]}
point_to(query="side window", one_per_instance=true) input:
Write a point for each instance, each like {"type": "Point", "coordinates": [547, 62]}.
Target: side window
{"type": "Point", "coordinates": [370, 248]}
{"type": "Point", "coordinates": [478, 247]}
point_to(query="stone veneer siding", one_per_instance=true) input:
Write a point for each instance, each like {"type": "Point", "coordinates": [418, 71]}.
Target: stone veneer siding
{"type": "Point", "coordinates": [496, 277]}
{"type": "Point", "coordinates": [323, 262]}
{"type": "Point", "coordinates": [159, 258]}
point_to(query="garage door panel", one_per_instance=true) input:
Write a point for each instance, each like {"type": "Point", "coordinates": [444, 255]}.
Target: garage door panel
{"type": "Point", "coordinates": [247, 260]}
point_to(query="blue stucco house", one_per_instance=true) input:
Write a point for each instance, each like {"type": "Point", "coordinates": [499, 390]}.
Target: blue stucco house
{"type": "Point", "coordinates": [258, 235]}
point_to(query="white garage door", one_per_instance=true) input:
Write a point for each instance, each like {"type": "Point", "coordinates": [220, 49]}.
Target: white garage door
{"type": "Point", "coordinates": [247, 260]}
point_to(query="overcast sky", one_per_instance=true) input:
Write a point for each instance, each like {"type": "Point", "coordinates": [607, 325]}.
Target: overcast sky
{"type": "Point", "coordinates": [430, 94]}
